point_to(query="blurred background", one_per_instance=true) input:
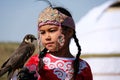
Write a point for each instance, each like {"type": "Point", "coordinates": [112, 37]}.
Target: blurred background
{"type": "Point", "coordinates": [97, 26]}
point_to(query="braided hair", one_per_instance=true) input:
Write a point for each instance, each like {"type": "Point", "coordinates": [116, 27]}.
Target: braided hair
{"type": "Point", "coordinates": [76, 61]}
{"type": "Point", "coordinates": [41, 64]}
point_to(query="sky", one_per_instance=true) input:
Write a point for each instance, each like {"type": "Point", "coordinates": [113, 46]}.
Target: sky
{"type": "Point", "coordinates": [19, 17]}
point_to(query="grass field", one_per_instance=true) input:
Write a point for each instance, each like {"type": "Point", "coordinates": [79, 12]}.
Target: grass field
{"type": "Point", "coordinates": [7, 48]}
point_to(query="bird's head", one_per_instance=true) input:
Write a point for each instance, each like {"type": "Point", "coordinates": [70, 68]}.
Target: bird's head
{"type": "Point", "coordinates": [29, 38]}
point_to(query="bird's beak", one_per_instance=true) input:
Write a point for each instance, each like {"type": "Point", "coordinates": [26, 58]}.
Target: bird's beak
{"type": "Point", "coordinates": [35, 38]}
{"type": "Point", "coordinates": [35, 42]}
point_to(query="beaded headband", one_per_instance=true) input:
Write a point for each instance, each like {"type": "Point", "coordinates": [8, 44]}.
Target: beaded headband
{"type": "Point", "coordinates": [55, 17]}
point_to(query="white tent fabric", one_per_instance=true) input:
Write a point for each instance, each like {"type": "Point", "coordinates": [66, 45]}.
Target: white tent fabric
{"type": "Point", "coordinates": [99, 33]}
{"type": "Point", "coordinates": [99, 30]}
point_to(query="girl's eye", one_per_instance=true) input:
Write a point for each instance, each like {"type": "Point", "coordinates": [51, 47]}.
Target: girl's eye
{"type": "Point", "coordinates": [42, 32]}
{"type": "Point", "coordinates": [52, 30]}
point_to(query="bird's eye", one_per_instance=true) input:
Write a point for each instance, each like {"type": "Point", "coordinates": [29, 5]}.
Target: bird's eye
{"type": "Point", "coordinates": [30, 37]}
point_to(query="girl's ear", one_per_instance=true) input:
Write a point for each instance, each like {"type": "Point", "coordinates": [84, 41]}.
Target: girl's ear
{"type": "Point", "coordinates": [69, 33]}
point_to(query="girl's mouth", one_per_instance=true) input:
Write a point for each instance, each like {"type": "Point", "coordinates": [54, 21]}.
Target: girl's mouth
{"type": "Point", "coordinates": [49, 44]}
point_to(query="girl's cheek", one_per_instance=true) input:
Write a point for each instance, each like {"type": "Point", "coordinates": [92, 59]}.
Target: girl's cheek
{"type": "Point", "coordinates": [61, 40]}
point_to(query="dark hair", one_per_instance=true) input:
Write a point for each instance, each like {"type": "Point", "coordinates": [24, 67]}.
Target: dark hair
{"type": "Point", "coordinates": [76, 61]}
{"type": "Point", "coordinates": [41, 64]}
{"type": "Point", "coordinates": [116, 4]}
{"type": "Point", "coordinates": [63, 10]}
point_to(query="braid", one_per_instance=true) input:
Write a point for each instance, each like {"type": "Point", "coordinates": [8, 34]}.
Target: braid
{"type": "Point", "coordinates": [41, 64]}
{"type": "Point", "coordinates": [76, 61]}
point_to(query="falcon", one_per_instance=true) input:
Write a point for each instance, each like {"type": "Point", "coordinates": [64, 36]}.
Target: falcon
{"type": "Point", "coordinates": [19, 56]}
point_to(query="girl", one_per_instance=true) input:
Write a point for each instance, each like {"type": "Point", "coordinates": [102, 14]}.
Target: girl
{"type": "Point", "coordinates": [55, 30]}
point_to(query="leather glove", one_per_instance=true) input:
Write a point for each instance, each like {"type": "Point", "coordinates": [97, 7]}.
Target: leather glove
{"type": "Point", "coordinates": [25, 74]}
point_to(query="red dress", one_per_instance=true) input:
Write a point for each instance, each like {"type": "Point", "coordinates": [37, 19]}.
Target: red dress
{"type": "Point", "coordinates": [57, 68]}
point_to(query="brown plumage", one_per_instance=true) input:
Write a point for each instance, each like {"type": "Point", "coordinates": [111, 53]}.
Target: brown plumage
{"type": "Point", "coordinates": [19, 57]}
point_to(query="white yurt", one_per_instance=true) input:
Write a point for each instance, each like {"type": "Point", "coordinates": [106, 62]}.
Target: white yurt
{"type": "Point", "coordinates": [99, 36]}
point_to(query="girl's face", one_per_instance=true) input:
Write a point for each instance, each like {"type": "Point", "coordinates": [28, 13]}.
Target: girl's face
{"type": "Point", "coordinates": [51, 37]}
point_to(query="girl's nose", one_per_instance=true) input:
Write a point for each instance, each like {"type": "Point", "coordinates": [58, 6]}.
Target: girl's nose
{"type": "Point", "coordinates": [48, 37]}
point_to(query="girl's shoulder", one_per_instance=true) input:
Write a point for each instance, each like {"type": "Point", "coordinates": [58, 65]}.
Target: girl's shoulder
{"type": "Point", "coordinates": [84, 63]}
{"type": "Point", "coordinates": [33, 60]}
{"type": "Point", "coordinates": [85, 70]}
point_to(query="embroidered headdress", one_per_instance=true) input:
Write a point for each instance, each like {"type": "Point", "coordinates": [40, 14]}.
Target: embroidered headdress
{"type": "Point", "coordinates": [55, 17]}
